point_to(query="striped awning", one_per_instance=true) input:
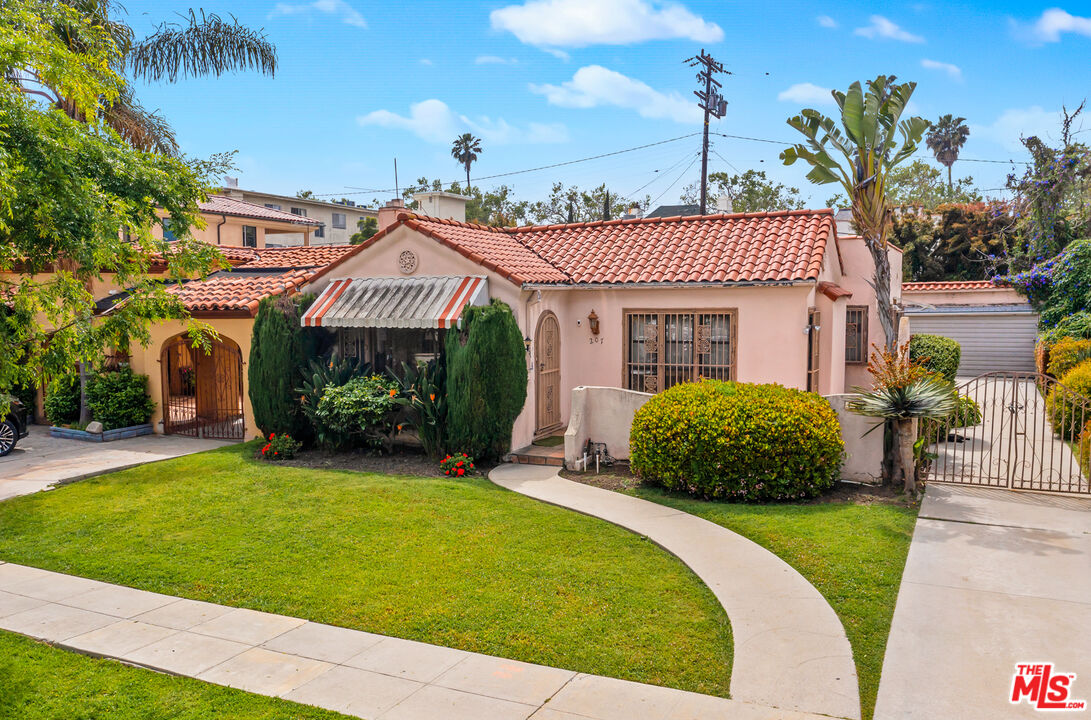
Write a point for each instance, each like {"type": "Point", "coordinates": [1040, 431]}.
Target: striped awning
{"type": "Point", "coordinates": [396, 302]}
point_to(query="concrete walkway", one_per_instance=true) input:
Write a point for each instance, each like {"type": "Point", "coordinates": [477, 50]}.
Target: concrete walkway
{"type": "Point", "coordinates": [356, 673]}
{"type": "Point", "coordinates": [791, 651]}
{"type": "Point", "coordinates": [40, 461]}
{"type": "Point", "coordinates": [993, 578]}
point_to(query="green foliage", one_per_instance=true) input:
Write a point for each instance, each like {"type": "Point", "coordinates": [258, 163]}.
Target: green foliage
{"type": "Point", "coordinates": [279, 350]}
{"type": "Point", "coordinates": [751, 191]}
{"type": "Point", "coordinates": [62, 400]}
{"type": "Point", "coordinates": [1067, 403]}
{"type": "Point", "coordinates": [1076, 325]}
{"type": "Point", "coordinates": [1084, 449]}
{"type": "Point", "coordinates": [465, 150]}
{"type": "Point", "coordinates": [737, 441]}
{"type": "Point", "coordinates": [1066, 354]}
{"type": "Point", "coordinates": [424, 397]}
{"type": "Point", "coordinates": [360, 413]}
{"type": "Point", "coordinates": [457, 465]}
{"type": "Point", "coordinates": [954, 242]}
{"type": "Point", "coordinates": [366, 227]}
{"type": "Point", "coordinates": [927, 397]}
{"type": "Point", "coordinates": [568, 205]}
{"type": "Point", "coordinates": [945, 139]}
{"type": "Point", "coordinates": [119, 398]}
{"type": "Point", "coordinates": [280, 446]}
{"type": "Point", "coordinates": [966, 414]}
{"type": "Point", "coordinates": [320, 374]}
{"type": "Point", "coordinates": [1060, 287]}
{"type": "Point", "coordinates": [936, 353]}
{"type": "Point", "coordinates": [69, 184]}
{"type": "Point", "coordinates": [486, 381]}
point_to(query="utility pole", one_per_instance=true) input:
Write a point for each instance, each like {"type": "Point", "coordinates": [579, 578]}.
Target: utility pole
{"type": "Point", "coordinates": [712, 103]}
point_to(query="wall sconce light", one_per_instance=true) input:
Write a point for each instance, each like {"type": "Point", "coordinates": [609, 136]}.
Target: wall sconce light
{"type": "Point", "coordinates": [593, 321]}
{"type": "Point", "coordinates": [526, 343]}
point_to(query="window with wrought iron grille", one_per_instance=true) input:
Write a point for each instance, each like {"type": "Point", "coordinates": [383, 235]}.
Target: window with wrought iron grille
{"type": "Point", "coordinates": [856, 334]}
{"type": "Point", "coordinates": [666, 348]}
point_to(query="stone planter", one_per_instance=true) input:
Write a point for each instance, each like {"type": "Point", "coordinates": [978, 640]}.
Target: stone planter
{"type": "Point", "coordinates": [105, 436]}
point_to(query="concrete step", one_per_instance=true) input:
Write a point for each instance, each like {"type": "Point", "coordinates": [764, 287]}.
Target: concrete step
{"type": "Point", "coordinates": [538, 455]}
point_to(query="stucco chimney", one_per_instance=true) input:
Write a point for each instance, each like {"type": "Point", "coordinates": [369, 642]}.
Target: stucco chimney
{"type": "Point", "coordinates": [388, 214]}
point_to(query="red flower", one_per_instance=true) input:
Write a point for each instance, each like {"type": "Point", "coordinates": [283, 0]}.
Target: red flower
{"type": "Point", "coordinates": [272, 436]}
{"type": "Point", "coordinates": [458, 464]}
{"type": "Point", "coordinates": [461, 472]}
{"type": "Point", "coordinates": [446, 472]}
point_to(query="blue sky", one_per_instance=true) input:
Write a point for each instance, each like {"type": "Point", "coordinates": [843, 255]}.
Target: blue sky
{"type": "Point", "coordinates": [546, 81]}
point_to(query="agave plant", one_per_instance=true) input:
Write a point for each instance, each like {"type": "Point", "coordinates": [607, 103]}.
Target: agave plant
{"type": "Point", "coordinates": [904, 392]}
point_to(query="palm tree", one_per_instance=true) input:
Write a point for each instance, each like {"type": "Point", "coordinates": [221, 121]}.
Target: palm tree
{"type": "Point", "coordinates": [465, 149]}
{"type": "Point", "coordinates": [203, 44]}
{"type": "Point", "coordinates": [945, 139]}
{"type": "Point", "coordinates": [867, 141]}
{"type": "Point", "coordinates": [905, 392]}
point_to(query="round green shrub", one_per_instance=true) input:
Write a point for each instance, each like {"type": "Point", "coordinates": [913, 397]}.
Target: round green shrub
{"type": "Point", "coordinates": [1066, 354]}
{"type": "Point", "coordinates": [937, 353]}
{"type": "Point", "coordinates": [1066, 404]}
{"type": "Point", "coordinates": [118, 398]}
{"type": "Point", "coordinates": [737, 441]}
{"type": "Point", "coordinates": [62, 400]}
{"type": "Point", "coordinates": [360, 413]}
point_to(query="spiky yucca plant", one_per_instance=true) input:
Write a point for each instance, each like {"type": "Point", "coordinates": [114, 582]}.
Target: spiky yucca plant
{"type": "Point", "coordinates": [904, 391]}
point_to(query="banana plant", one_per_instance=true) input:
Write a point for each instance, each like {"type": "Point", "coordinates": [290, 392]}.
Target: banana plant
{"type": "Point", "coordinates": [859, 151]}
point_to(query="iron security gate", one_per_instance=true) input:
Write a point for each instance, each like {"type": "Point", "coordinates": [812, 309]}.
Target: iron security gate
{"type": "Point", "coordinates": [1026, 437]}
{"type": "Point", "coordinates": [202, 392]}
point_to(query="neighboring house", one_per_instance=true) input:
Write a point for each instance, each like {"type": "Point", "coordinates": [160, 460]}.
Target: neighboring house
{"type": "Point", "coordinates": [335, 223]}
{"type": "Point", "coordinates": [995, 325]}
{"type": "Point", "coordinates": [640, 304]}
{"type": "Point", "coordinates": [231, 222]}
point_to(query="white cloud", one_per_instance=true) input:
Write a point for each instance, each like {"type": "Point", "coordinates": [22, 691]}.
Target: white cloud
{"type": "Point", "coordinates": [337, 8]}
{"type": "Point", "coordinates": [1054, 22]}
{"type": "Point", "coordinates": [826, 21]}
{"type": "Point", "coordinates": [579, 23]}
{"type": "Point", "coordinates": [1015, 123]}
{"type": "Point", "coordinates": [595, 86]}
{"type": "Point", "coordinates": [880, 27]}
{"type": "Point", "coordinates": [433, 121]}
{"type": "Point", "coordinates": [494, 60]}
{"type": "Point", "coordinates": [953, 71]}
{"type": "Point", "coordinates": [807, 93]}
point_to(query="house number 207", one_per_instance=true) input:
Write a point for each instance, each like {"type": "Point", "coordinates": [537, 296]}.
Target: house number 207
{"type": "Point", "coordinates": [597, 340]}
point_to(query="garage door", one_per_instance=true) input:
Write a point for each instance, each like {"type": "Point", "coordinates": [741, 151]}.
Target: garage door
{"type": "Point", "coordinates": [990, 340]}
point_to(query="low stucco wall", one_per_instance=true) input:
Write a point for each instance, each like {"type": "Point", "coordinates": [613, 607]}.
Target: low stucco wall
{"type": "Point", "coordinates": [602, 415]}
{"type": "Point", "coordinates": [605, 415]}
{"type": "Point", "coordinates": [863, 450]}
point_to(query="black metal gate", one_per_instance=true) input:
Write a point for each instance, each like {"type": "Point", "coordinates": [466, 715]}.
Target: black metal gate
{"type": "Point", "coordinates": [1024, 432]}
{"type": "Point", "coordinates": [202, 392]}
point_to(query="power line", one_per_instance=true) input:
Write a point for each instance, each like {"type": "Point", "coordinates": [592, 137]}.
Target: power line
{"type": "Point", "coordinates": [536, 169]}
{"type": "Point", "coordinates": [680, 176]}
{"type": "Point", "coordinates": [658, 175]}
{"type": "Point", "coordinates": [784, 142]}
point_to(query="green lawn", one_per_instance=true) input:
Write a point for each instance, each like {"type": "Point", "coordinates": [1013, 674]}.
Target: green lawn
{"type": "Point", "coordinates": [460, 563]}
{"type": "Point", "coordinates": [39, 682]}
{"type": "Point", "coordinates": [853, 554]}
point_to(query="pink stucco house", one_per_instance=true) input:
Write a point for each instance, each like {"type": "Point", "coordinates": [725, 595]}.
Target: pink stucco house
{"type": "Point", "coordinates": [639, 304]}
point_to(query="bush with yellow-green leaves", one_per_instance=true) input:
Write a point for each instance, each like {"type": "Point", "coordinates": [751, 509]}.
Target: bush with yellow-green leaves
{"type": "Point", "coordinates": [737, 441]}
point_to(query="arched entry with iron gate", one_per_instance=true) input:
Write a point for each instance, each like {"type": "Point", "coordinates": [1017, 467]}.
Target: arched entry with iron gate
{"type": "Point", "coordinates": [202, 391]}
{"type": "Point", "coordinates": [1026, 438]}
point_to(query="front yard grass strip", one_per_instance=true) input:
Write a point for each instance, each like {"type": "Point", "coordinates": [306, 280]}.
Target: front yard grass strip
{"type": "Point", "coordinates": [41, 682]}
{"type": "Point", "coordinates": [461, 563]}
{"type": "Point", "coordinates": [853, 554]}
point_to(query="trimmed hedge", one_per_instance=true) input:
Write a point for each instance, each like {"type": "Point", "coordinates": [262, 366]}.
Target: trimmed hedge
{"type": "Point", "coordinates": [937, 353]}
{"type": "Point", "coordinates": [738, 441]}
{"type": "Point", "coordinates": [1065, 406]}
{"type": "Point", "coordinates": [279, 349]}
{"type": "Point", "coordinates": [486, 381]}
{"type": "Point", "coordinates": [119, 398]}
{"type": "Point", "coordinates": [1066, 354]}
{"type": "Point", "coordinates": [62, 400]}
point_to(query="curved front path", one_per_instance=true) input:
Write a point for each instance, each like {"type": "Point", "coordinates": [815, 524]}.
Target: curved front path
{"type": "Point", "coordinates": [791, 651]}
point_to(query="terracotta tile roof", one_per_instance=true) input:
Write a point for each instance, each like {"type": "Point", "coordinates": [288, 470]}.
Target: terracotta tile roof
{"type": "Point", "coordinates": [224, 205]}
{"type": "Point", "coordinates": [833, 291]}
{"type": "Point", "coordinates": [297, 257]}
{"type": "Point", "coordinates": [237, 291]}
{"type": "Point", "coordinates": [945, 285]}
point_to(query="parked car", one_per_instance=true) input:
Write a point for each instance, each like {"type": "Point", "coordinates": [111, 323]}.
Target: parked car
{"type": "Point", "coordinates": [13, 427]}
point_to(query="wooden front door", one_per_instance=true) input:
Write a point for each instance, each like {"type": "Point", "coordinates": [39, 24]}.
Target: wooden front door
{"type": "Point", "coordinates": [547, 366]}
{"type": "Point", "coordinates": [814, 327]}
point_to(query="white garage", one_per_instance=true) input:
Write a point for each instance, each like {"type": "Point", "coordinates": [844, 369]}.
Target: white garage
{"type": "Point", "coordinates": [993, 337]}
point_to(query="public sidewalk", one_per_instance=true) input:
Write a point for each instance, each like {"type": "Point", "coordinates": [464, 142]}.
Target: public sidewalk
{"type": "Point", "coordinates": [791, 651]}
{"type": "Point", "coordinates": [355, 673]}
{"type": "Point", "coordinates": [993, 578]}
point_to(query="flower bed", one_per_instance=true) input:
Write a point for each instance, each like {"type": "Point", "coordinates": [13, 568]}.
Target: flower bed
{"type": "Point", "coordinates": [104, 436]}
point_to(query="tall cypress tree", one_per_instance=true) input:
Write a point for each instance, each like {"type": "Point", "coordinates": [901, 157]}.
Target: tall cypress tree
{"type": "Point", "coordinates": [279, 350]}
{"type": "Point", "coordinates": [486, 381]}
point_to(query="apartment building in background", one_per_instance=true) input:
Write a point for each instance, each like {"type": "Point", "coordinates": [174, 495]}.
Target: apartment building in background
{"type": "Point", "coordinates": [338, 220]}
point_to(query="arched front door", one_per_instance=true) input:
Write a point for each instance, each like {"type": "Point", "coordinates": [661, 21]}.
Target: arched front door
{"type": "Point", "coordinates": [547, 367]}
{"type": "Point", "coordinates": [202, 392]}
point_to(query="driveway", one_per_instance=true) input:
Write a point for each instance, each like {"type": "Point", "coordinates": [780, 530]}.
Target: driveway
{"type": "Point", "coordinates": [993, 578]}
{"type": "Point", "coordinates": [40, 461]}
